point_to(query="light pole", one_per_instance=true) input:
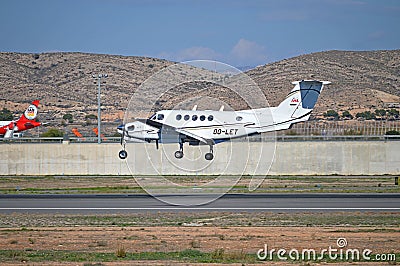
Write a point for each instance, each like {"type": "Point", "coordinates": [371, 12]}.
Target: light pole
{"type": "Point", "coordinates": [99, 77]}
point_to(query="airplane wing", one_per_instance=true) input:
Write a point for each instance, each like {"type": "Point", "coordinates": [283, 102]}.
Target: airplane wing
{"type": "Point", "coordinates": [194, 136]}
{"type": "Point", "coordinates": [178, 130]}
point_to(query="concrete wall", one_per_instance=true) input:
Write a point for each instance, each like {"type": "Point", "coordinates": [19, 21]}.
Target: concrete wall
{"type": "Point", "coordinates": [291, 158]}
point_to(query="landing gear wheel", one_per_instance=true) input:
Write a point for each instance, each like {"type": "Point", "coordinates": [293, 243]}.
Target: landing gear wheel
{"type": "Point", "coordinates": [179, 154]}
{"type": "Point", "coordinates": [123, 154]}
{"type": "Point", "coordinates": [209, 156]}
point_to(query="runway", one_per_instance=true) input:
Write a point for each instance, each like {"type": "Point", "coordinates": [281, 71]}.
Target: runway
{"type": "Point", "coordinates": [136, 203]}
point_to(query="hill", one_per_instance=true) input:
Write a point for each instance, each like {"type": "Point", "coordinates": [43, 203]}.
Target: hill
{"type": "Point", "coordinates": [64, 84]}
{"type": "Point", "coordinates": [360, 80]}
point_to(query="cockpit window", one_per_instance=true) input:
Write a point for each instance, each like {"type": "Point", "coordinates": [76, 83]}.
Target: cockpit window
{"type": "Point", "coordinates": [160, 117]}
{"type": "Point", "coordinates": [186, 117]}
{"type": "Point", "coordinates": [153, 117]}
{"type": "Point", "coordinates": [210, 118]}
{"type": "Point", "coordinates": [130, 128]}
{"type": "Point", "coordinates": [178, 117]}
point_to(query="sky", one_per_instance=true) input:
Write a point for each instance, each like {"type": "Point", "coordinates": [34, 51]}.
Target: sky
{"type": "Point", "coordinates": [239, 33]}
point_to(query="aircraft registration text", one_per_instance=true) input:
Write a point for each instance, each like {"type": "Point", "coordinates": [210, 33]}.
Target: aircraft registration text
{"type": "Point", "coordinates": [219, 131]}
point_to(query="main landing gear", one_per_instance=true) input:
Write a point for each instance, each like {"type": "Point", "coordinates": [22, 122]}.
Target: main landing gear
{"type": "Point", "coordinates": [179, 154]}
{"type": "Point", "coordinates": [210, 155]}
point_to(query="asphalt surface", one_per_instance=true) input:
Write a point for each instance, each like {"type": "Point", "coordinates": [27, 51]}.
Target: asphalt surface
{"type": "Point", "coordinates": [135, 203]}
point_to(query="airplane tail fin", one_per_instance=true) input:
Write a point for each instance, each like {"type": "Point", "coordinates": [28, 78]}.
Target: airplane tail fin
{"type": "Point", "coordinates": [26, 121]}
{"type": "Point", "coordinates": [298, 104]}
{"type": "Point", "coordinates": [31, 112]}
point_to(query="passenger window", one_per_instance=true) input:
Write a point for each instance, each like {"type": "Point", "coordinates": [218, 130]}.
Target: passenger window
{"type": "Point", "coordinates": [186, 117]}
{"type": "Point", "coordinates": [202, 117]}
{"type": "Point", "coordinates": [239, 118]}
{"type": "Point", "coordinates": [194, 117]}
{"type": "Point", "coordinates": [210, 118]}
{"type": "Point", "coordinates": [178, 117]}
{"type": "Point", "coordinates": [160, 117]}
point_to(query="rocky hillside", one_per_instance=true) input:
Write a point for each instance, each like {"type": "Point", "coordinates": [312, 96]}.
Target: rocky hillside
{"type": "Point", "coordinates": [360, 80]}
{"type": "Point", "coordinates": [64, 83]}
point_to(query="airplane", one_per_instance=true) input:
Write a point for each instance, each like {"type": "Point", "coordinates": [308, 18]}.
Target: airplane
{"type": "Point", "coordinates": [209, 127]}
{"type": "Point", "coordinates": [9, 129]}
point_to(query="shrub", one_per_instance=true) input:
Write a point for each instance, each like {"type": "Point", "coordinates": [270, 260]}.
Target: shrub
{"type": "Point", "coordinates": [380, 112]}
{"type": "Point", "coordinates": [393, 112]}
{"type": "Point", "coordinates": [91, 116]}
{"type": "Point", "coordinates": [6, 115]}
{"type": "Point", "coordinates": [68, 117]}
{"type": "Point", "coordinates": [195, 243]}
{"type": "Point", "coordinates": [331, 113]}
{"type": "Point", "coordinates": [392, 132]}
{"type": "Point", "coordinates": [346, 114]}
{"type": "Point", "coordinates": [121, 252]}
{"type": "Point", "coordinates": [367, 115]}
{"type": "Point", "coordinates": [52, 133]}
{"type": "Point", "coordinates": [218, 254]}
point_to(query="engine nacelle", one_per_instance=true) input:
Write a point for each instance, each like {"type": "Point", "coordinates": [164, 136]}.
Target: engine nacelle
{"type": "Point", "coordinates": [142, 131]}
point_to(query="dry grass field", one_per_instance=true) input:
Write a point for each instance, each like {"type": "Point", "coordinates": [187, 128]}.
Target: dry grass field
{"type": "Point", "coordinates": [190, 238]}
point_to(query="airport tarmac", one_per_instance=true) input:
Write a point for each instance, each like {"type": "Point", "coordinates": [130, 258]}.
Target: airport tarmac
{"type": "Point", "coordinates": [137, 203]}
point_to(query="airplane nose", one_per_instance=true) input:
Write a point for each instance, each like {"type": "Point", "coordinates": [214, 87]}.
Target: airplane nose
{"type": "Point", "coordinates": [121, 127]}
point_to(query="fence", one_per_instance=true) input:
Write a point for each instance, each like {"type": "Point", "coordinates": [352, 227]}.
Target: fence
{"type": "Point", "coordinates": [343, 128]}
{"type": "Point", "coordinates": [310, 130]}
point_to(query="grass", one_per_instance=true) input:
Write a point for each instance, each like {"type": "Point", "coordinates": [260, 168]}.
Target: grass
{"type": "Point", "coordinates": [368, 230]}
{"type": "Point", "coordinates": [188, 255]}
{"type": "Point", "coordinates": [75, 190]}
{"type": "Point", "coordinates": [23, 222]}
{"type": "Point", "coordinates": [128, 185]}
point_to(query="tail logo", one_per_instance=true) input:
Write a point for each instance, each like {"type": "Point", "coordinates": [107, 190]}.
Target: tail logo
{"type": "Point", "coordinates": [294, 101]}
{"type": "Point", "coordinates": [31, 112]}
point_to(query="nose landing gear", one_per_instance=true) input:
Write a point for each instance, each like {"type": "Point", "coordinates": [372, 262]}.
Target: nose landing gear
{"type": "Point", "coordinates": [122, 154]}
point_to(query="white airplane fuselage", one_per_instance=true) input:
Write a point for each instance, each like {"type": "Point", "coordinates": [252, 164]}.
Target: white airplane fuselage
{"type": "Point", "coordinates": [216, 125]}
{"type": "Point", "coordinates": [211, 127]}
